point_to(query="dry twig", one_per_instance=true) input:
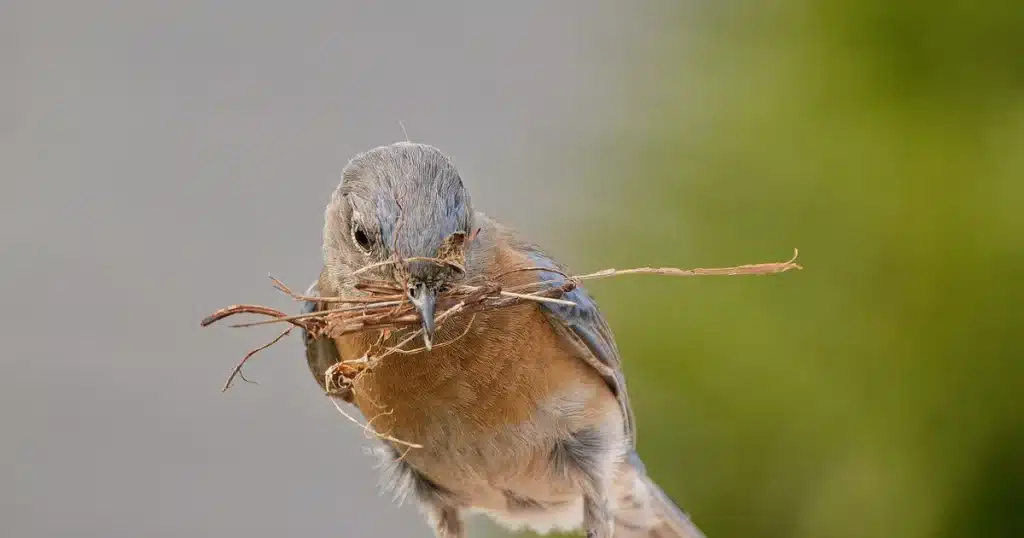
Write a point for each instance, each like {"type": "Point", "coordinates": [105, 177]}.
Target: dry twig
{"type": "Point", "coordinates": [383, 307]}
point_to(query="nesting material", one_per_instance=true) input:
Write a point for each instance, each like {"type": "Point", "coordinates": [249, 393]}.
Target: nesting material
{"type": "Point", "coordinates": [383, 307]}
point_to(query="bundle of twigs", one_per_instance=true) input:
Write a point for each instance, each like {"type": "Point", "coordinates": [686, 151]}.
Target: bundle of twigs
{"type": "Point", "coordinates": [384, 307]}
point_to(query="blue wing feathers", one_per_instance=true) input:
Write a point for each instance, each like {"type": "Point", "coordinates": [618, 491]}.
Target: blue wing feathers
{"type": "Point", "coordinates": [584, 319]}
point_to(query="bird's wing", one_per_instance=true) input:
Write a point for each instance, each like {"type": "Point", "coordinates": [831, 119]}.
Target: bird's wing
{"type": "Point", "coordinates": [321, 353]}
{"type": "Point", "coordinates": [584, 326]}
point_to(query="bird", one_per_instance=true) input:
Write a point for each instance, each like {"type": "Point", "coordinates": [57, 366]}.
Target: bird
{"type": "Point", "coordinates": [518, 413]}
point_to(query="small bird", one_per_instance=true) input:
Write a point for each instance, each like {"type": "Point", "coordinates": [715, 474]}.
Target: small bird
{"type": "Point", "coordinates": [520, 413]}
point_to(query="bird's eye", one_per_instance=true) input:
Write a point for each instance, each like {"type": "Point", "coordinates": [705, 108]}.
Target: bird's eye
{"type": "Point", "coordinates": [361, 239]}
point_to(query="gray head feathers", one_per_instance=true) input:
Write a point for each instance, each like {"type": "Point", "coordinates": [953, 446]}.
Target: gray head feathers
{"type": "Point", "coordinates": [404, 197]}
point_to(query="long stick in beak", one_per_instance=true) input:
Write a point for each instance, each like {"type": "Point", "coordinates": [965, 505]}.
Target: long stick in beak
{"type": "Point", "coordinates": [424, 299]}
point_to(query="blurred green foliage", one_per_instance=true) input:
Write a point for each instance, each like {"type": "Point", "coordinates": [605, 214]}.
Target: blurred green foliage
{"type": "Point", "coordinates": [879, 391]}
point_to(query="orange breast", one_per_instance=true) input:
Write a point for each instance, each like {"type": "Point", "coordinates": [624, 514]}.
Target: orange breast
{"type": "Point", "coordinates": [491, 399]}
{"type": "Point", "coordinates": [492, 375]}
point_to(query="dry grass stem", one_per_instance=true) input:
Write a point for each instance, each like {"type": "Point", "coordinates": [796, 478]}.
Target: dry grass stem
{"type": "Point", "coordinates": [383, 307]}
{"type": "Point", "coordinates": [237, 371]}
{"type": "Point", "coordinates": [370, 432]}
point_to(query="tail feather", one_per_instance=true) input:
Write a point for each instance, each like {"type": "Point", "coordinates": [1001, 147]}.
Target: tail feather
{"type": "Point", "coordinates": [643, 510]}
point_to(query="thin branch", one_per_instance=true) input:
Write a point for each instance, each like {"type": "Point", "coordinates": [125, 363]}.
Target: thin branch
{"type": "Point", "coordinates": [366, 268]}
{"type": "Point", "coordinates": [282, 319]}
{"type": "Point", "coordinates": [241, 309]}
{"type": "Point", "coordinates": [369, 430]}
{"type": "Point", "coordinates": [751, 269]}
{"type": "Point", "coordinates": [321, 299]}
{"type": "Point", "coordinates": [525, 269]}
{"type": "Point", "coordinates": [238, 367]}
{"type": "Point", "coordinates": [385, 307]}
{"type": "Point", "coordinates": [537, 298]}
{"type": "Point", "coordinates": [421, 349]}
{"type": "Point", "coordinates": [385, 263]}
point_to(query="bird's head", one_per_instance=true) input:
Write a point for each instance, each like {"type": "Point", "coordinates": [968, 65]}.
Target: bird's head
{"type": "Point", "coordinates": [404, 201]}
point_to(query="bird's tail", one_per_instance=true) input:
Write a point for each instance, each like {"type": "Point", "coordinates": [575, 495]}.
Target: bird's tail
{"type": "Point", "coordinates": [643, 510]}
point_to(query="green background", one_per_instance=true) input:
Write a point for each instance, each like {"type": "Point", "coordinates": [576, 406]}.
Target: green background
{"type": "Point", "coordinates": [877, 392]}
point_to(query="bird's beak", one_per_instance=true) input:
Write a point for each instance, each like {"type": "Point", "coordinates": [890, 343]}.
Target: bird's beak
{"type": "Point", "coordinates": [424, 298]}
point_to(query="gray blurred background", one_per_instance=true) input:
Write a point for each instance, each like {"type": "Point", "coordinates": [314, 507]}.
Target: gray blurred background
{"type": "Point", "coordinates": [158, 159]}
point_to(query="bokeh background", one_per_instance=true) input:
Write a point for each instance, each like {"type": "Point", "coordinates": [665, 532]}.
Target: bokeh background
{"type": "Point", "coordinates": [158, 159]}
